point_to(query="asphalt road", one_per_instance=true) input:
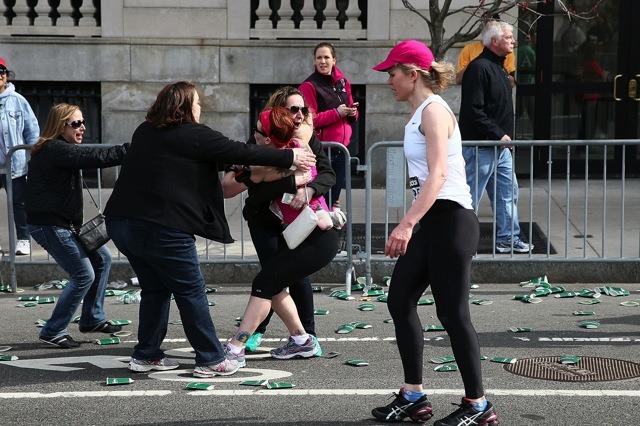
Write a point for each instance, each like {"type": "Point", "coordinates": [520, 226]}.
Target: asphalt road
{"type": "Point", "coordinates": [50, 386]}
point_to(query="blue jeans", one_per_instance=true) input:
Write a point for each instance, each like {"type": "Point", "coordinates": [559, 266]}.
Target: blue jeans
{"type": "Point", "coordinates": [506, 200]}
{"type": "Point", "coordinates": [19, 190]}
{"type": "Point", "coordinates": [88, 279]}
{"type": "Point", "coordinates": [166, 261]}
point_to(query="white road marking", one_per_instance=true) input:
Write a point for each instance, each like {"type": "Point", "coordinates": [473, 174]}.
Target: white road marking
{"type": "Point", "coordinates": [126, 394]}
{"type": "Point", "coordinates": [53, 364]}
{"type": "Point", "coordinates": [186, 376]}
{"type": "Point", "coordinates": [438, 338]}
{"type": "Point", "coordinates": [331, 392]}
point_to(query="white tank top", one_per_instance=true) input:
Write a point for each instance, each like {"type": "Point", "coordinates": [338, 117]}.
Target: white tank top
{"type": "Point", "coordinates": [455, 187]}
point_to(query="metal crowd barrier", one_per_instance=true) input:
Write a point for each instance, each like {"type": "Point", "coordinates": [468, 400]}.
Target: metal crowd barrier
{"type": "Point", "coordinates": [555, 197]}
{"type": "Point", "coordinates": [212, 252]}
{"type": "Point", "coordinates": [550, 202]}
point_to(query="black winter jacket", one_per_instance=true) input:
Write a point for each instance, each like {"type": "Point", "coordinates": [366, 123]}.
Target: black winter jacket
{"type": "Point", "coordinates": [54, 187]}
{"type": "Point", "coordinates": [256, 208]}
{"type": "Point", "coordinates": [170, 177]}
{"type": "Point", "coordinates": [486, 109]}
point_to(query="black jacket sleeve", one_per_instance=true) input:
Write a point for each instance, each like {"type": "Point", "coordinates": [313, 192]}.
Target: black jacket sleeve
{"type": "Point", "coordinates": [74, 156]}
{"type": "Point", "coordinates": [213, 146]}
{"type": "Point", "coordinates": [324, 180]}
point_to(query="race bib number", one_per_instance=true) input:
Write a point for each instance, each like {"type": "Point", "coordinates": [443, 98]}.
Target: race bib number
{"type": "Point", "coordinates": [414, 184]}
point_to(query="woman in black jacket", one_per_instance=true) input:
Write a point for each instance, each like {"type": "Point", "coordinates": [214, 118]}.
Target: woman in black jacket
{"type": "Point", "coordinates": [54, 211]}
{"type": "Point", "coordinates": [168, 190]}
{"type": "Point", "coordinates": [283, 266]}
{"type": "Point", "coordinates": [264, 226]}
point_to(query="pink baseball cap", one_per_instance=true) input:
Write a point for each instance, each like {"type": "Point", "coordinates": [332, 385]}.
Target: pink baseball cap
{"type": "Point", "coordinates": [3, 63]}
{"type": "Point", "coordinates": [408, 52]}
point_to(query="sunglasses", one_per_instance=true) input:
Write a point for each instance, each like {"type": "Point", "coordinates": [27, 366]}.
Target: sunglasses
{"type": "Point", "coordinates": [295, 109]}
{"type": "Point", "coordinates": [256, 130]}
{"type": "Point", "coordinates": [75, 124]}
{"type": "Point", "coordinates": [4, 71]}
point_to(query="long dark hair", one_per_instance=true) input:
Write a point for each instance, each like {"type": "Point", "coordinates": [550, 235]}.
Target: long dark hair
{"type": "Point", "coordinates": [280, 96]}
{"type": "Point", "coordinates": [173, 106]}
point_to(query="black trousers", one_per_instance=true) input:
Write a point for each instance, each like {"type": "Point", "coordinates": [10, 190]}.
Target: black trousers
{"type": "Point", "coordinates": [282, 267]}
{"type": "Point", "coordinates": [439, 254]}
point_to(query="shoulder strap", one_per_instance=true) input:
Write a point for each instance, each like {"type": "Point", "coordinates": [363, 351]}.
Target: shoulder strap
{"type": "Point", "coordinates": [94, 201]}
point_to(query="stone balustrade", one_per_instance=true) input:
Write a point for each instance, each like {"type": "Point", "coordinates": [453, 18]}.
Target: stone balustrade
{"type": "Point", "coordinates": [50, 18]}
{"type": "Point", "coordinates": [275, 19]}
{"type": "Point", "coordinates": [319, 19]}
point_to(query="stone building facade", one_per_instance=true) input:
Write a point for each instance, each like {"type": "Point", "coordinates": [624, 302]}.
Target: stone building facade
{"type": "Point", "coordinates": [132, 48]}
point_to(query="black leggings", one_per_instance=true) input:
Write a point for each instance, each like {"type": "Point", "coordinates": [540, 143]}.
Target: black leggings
{"type": "Point", "coordinates": [286, 267]}
{"type": "Point", "coordinates": [439, 254]}
{"type": "Point", "coordinates": [267, 240]}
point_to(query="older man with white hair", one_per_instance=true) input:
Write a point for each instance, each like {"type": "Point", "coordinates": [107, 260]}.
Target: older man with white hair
{"type": "Point", "coordinates": [486, 113]}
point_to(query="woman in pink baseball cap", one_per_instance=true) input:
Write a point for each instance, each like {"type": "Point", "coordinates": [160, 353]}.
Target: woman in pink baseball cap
{"type": "Point", "coordinates": [435, 240]}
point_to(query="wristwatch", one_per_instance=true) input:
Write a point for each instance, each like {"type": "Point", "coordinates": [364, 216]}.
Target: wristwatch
{"type": "Point", "coordinates": [243, 175]}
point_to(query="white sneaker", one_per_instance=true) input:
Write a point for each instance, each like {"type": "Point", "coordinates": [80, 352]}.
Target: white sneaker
{"type": "Point", "coordinates": [162, 364]}
{"type": "Point", "coordinates": [224, 368]}
{"type": "Point", "coordinates": [23, 247]}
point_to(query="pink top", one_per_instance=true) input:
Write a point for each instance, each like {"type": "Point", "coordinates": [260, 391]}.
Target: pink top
{"type": "Point", "coordinates": [316, 203]}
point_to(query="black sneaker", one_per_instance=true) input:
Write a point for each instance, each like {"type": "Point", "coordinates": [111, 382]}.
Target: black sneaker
{"type": "Point", "coordinates": [64, 342]}
{"type": "Point", "coordinates": [400, 408]}
{"type": "Point", "coordinates": [105, 327]}
{"type": "Point", "coordinates": [467, 415]}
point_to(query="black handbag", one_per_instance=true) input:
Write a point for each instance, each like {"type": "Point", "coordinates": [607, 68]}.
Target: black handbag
{"type": "Point", "coordinates": [93, 234]}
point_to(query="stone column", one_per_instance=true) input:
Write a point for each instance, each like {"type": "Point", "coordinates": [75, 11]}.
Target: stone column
{"type": "Point", "coordinates": [308, 12]}
{"type": "Point", "coordinates": [42, 20]}
{"type": "Point", "coordinates": [65, 10]}
{"type": "Point", "coordinates": [353, 12]}
{"type": "Point", "coordinates": [285, 13]}
{"type": "Point", "coordinates": [21, 9]}
{"type": "Point", "coordinates": [263, 12]}
{"type": "Point", "coordinates": [331, 16]}
{"type": "Point", "coordinates": [88, 15]}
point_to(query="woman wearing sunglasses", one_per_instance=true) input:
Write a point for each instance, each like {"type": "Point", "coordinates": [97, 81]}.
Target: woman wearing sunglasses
{"type": "Point", "coordinates": [328, 93]}
{"type": "Point", "coordinates": [264, 226]}
{"type": "Point", "coordinates": [54, 210]}
{"type": "Point", "coordinates": [18, 126]}
{"type": "Point", "coordinates": [276, 128]}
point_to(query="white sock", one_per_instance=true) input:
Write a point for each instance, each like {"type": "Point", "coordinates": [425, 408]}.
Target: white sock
{"type": "Point", "coordinates": [300, 340]}
{"type": "Point", "coordinates": [235, 349]}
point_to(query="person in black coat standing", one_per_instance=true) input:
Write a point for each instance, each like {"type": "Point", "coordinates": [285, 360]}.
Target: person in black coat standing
{"type": "Point", "coordinates": [486, 113]}
{"type": "Point", "coordinates": [54, 213]}
{"type": "Point", "coordinates": [167, 192]}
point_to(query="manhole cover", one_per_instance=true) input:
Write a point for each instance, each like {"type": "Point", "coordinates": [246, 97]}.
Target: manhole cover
{"type": "Point", "coordinates": [588, 369]}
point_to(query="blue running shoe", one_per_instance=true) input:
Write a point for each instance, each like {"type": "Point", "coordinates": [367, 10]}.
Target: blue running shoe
{"type": "Point", "coordinates": [319, 353]}
{"type": "Point", "coordinates": [253, 342]}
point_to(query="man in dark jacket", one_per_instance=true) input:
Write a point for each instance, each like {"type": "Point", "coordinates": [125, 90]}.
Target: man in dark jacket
{"type": "Point", "coordinates": [486, 113]}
